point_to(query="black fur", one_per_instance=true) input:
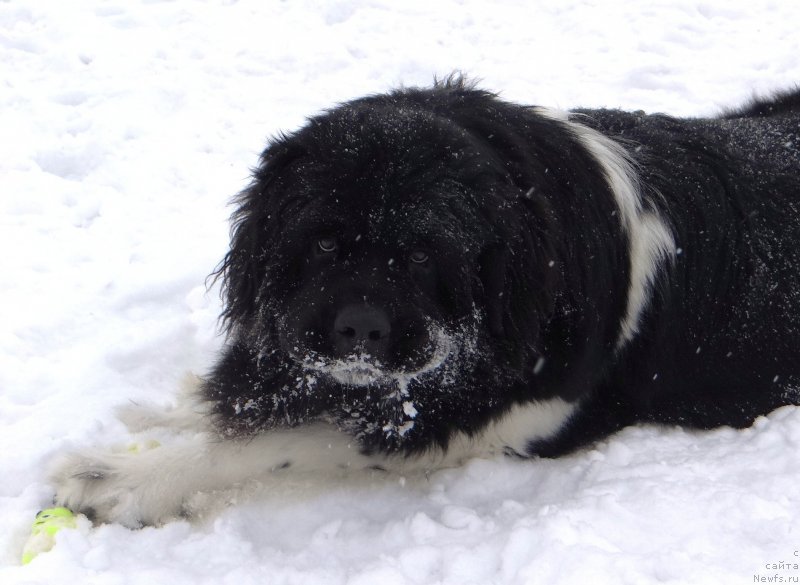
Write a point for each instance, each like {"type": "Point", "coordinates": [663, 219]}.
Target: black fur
{"type": "Point", "coordinates": [528, 271]}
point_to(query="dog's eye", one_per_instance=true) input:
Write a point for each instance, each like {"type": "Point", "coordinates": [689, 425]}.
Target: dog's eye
{"type": "Point", "coordinates": [327, 245]}
{"type": "Point", "coordinates": [418, 257]}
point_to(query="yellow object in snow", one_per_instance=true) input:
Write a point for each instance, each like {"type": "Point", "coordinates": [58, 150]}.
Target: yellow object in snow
{"type": "Point", "coordinates": [43, 533]}
{"type": "Point", "coordinates": [146, 446]}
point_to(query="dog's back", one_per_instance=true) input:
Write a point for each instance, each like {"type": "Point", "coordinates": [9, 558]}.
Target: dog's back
{"type": "Point", "coordinates": [722, 340]}
{"type": "Point", "coordinates": [766, 132]}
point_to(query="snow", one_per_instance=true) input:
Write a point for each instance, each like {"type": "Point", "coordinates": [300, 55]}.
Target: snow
{"type": "Point", "coordinates": [126, 128]}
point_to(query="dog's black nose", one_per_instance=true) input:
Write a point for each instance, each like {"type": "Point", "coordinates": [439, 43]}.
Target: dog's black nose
{"type": "Point", "coordinates": [361, 328]}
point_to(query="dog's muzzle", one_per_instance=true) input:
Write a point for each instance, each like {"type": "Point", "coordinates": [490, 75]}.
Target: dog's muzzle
{"type": "Point", "coordinates": [361, 329]}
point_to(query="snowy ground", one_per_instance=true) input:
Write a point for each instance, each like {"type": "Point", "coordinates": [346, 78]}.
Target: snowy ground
{"type": "Point", "coordinates": [127, 125]}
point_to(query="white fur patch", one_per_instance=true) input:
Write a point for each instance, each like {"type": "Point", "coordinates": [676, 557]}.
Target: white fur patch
{"type": "Point", "coordinates": [520, 426]}
{"type": "Point", "coordinates": [158, 485]}
{"type": "Point", "coordinates": [197, 471]}
{"type": "Point", "coordinates": [651, 240]}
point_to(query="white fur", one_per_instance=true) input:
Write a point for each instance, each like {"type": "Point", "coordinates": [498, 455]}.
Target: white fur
{"type": "Point", "coordinates": [651, 240]}
{"type": "Point", "coordinates": [520, 426]}
{"type": "Point", "coordinates": [197, 470]}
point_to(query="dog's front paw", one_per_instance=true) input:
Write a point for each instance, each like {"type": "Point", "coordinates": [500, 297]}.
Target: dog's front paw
{"type": "Point", "coordinates": [116, 487]}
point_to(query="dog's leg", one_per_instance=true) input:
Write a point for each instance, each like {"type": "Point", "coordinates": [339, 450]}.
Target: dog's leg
{"type": "Point", "coordinates": [154, 486]}
{"type": "Point", "coordinates": [151, 486]}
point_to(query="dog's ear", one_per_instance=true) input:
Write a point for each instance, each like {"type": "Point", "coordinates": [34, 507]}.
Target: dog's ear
{"type": "Point", "coordinates": [253, 229]}
{"type": "Point", "coordinates": [492, 272]}
{"type": "Point", "coordinates": [520, 276]}
{"type": "Point", "coordinates": [521, 271]}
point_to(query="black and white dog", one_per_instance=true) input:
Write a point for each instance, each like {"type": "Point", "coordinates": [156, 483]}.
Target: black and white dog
{"type": "Point", "coordinates": [434, 274]}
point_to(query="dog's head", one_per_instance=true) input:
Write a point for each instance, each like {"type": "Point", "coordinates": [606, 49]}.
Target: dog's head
{"type": "Point", "coordinates": [397, 253]}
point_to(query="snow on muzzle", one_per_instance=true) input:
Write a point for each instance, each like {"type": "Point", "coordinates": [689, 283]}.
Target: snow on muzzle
{"type": "Point", "coordinates": [359, 368]}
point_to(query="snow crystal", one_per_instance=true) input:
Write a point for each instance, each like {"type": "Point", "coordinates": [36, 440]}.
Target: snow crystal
{"type": "Point", "coordinates": [409, 409]}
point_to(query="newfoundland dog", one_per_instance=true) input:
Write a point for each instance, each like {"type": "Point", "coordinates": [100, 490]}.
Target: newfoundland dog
{"type": "Point", "coordinates": [433, 274]}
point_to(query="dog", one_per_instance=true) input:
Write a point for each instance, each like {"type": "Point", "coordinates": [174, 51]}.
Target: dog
{"type": "Point", "coordinates": [428, 275]}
